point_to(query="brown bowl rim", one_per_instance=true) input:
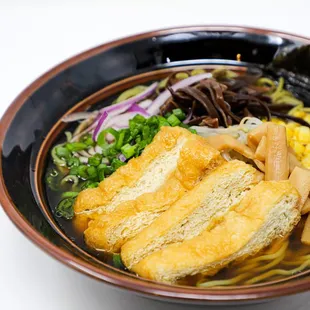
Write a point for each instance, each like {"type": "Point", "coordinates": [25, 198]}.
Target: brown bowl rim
{"type": "Point", "coordinates": [109, 276]}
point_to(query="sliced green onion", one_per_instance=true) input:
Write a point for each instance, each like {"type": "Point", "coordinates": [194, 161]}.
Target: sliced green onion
{"type": "Point", "coordinates": [173, 120]}
{"type": "Point", "coordinates": [179, 114]}
{"type": "Point", "coordinates": [65, 208]}
{"type": "Point", "coordinates": [139, 119]}
{"type": "Point", "coordinates": [68, 135]}
{"type": "Point", "coordinates": [70, 178]}
{"type": "Point", "coordinates": [95, 160]}
{"type": "Point", "coordinates": [101, 175]}
{"type": "Point", "coordinates": [162, 121]}
{"type": "Point", "coordinates": [153, 121]}
{"type": "Point", "coordinates": [181, 76]}
{"type": "Point", "coordinates": [73, 162]}
{"type": "Point", "coordinates": [90, 184]}
{"type": "Point", "coordinates": [88, 140]}
{"type": "Point", "coordinates": [146, 131]}
{"type": "Point", "coordinates": [76, 146]}
{"type": "Point", "coordinates": [120, 141]}
{"type": "Point", "coordinates": [92, 172]}
{"type": "Point", "coordinates": [82, 172]}
{"type": "Point", "coordinates": [57, 161]}
{"type": "Point", "coordinates": [116, 163]}
{"type": "Point", "coordinates": [130, 93]}
{"type": "Point", "coordinates": [117, 261]}
{"type": "Point", "coordinates": [74, 170]}
{"type": "Point", "coordinates": [69, 194]}
{"type": "Point", "coordinates": [128, 150]}
{"type": "Point", "coordinates": [101, 140]}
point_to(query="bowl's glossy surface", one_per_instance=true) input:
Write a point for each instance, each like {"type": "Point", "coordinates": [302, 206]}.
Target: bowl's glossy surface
{"type": "Point", "coordinates": [33, 114]}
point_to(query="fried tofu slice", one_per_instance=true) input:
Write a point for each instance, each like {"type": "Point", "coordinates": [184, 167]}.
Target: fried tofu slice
{"type": "Point", "coordinates": [267, 212]}
{"type": "Point", "coordinates": [195, 160]}
{"type": "Point", "coordinates": [146, 173]}
{"type": "Point", "coordinates": [215, 195]}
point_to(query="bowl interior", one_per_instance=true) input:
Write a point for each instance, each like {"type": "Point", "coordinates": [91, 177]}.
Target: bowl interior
{"type": "Point", "coordinates": [32, 124]}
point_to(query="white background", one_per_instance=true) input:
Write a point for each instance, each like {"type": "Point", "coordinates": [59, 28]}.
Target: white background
{"type": "Point", "coordinates": [36, 35]}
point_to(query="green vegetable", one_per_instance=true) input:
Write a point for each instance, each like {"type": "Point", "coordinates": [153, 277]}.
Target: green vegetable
{"type": "Point", "coordinates": [82, 172]}
{"type": "Point", "coordinates": [74, 170]}
{"type": "Point", "coordinates": [139, 119]}
{"type": "Point", "coordinates": [117, 261]}
{"type": "Point", "coordinates": [69, 194]}
{"type": "Point", "coordinates": [101, 141]}
{"type": "Point", "coordinates": [128, 150]}
{"type": "Point", "coordinates": [89, 184]}
{"type": "Point", "coordinates": [95, 160]}
{"type": "Point", "coordinates": [101, 174]}
{"type": "Point", "coordinates": [68, 135]}
{"type": "Point", "coordinates": [70, 178]}
{"type": "Point", "coordinates": [173, 120]}
{"type": "Point", "coordinates": [153, 121]}
{"type": "Point", "coordinates": [108, 170]}
{"type": "Point", "coordinates": [130, 93]}
{"type": "Point", "coordinates": [116, 163]}
{"type": "Point", "coordinates": [181, 76]}
{"type": "Point", "coordinates": [65, 208]}
{"type": "Point", "coordinates": [76, 146]}
{"type": "Point", "coordinates": [57, 161]}
{"type": "Point", "coordinates": [167, 114]}
{"type": "Point", "coordinates": [92, 172]}
{"type": "Point", "coordinates": [162, 122]}
{"type": "Point", "coordinates": [73, 162]}
{"type": "Point", "coordinates": [179, 114]}
{"type": "Point", "coordinates": [120, 141]}
{"type": "Point", "coordinates": [62, 152]}
{"type": "Point", "coordinates": [88, 140]}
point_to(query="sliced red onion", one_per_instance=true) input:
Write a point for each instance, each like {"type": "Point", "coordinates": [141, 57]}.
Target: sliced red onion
{"type": "Point", "coordinates": [78, 116]}
{"type": "Point", "coordinates": [116, 109]}
{"type": "Point", "coordinates": [162, 98]}
{"type": "Point", "coordinates": [138, 109]}
{"type": "Point", "coordinates": [188, 117]}
{"type": "Point", "coordinates": [121, 120]}
{"type": "Point", "coordinates": [145, 103]}
{"type": "Point", "coordinates": [88, 129]}
{"type": "Point", "coordinates": [100, 125]}
{"type": "Point", "coordinates": [122, 157]}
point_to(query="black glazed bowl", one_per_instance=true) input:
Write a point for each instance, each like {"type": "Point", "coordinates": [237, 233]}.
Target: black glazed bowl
{"type": "Point", "coordinates": [31, 124]}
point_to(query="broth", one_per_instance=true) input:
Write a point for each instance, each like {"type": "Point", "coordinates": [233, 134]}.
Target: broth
{"type": "Point", "coordinates": [284, 255]}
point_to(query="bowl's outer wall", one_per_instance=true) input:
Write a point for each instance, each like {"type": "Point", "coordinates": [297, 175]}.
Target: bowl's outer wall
{"type": "Point", "coordinates": [49, 102]}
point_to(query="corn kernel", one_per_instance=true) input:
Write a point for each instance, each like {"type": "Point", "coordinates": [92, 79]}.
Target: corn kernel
{"type": "Point", "coordinates": [307, 118]}
{"type": "Point", "coordinates": [292, 125]}
{"type": "Point", "coordinates": [289, 133]}
{"type": "Point", "coordinates": [302, 134]}
{"type": "Point", "coordinates": [307, 149]}
{"type": "Point", "coordinates": [278, 121]}
{"type": "Point", "coordinates": [306, 161]}
{"type": "Point", "coordinates": [298, 148]}
{"type": "Point", "coordinates": [300, 114]}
